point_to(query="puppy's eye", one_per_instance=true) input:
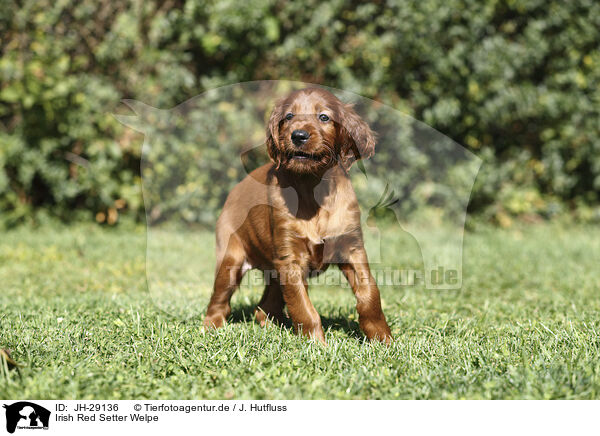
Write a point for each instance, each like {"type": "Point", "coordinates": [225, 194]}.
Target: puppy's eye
{"type": "Point", "coordinates": [289, 116]}
{"type": "Point", "coordinates": [324, 118]}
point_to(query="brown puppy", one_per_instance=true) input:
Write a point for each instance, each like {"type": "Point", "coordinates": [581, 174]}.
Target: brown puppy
{"type": "Point", "coordinates": [295, 216]}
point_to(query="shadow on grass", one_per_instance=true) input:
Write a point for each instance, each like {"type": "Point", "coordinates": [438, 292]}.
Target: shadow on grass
{"type": "Point", "coordinates": [245, 314]}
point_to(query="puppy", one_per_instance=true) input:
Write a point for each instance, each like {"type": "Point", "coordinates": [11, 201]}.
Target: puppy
{"type": "Point", "coordinates": [294, 217]}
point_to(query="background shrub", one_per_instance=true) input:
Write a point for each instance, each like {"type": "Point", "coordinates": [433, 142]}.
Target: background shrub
{"type": "Point", "coordinates": [514, 81]}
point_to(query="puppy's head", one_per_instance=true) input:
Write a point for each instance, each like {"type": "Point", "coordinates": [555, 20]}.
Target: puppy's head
{"type": "Point", "coordinates": [311, 130]}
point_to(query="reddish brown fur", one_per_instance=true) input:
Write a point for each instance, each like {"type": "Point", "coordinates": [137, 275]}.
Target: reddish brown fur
{"type": "Point", "coordinates": [297, 215]}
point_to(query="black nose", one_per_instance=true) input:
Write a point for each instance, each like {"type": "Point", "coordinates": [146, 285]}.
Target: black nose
{"type": "Point", "coordinates": [299, 137]}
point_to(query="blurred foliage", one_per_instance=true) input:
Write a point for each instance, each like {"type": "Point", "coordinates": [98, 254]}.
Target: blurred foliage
{"type": "Point", "coordinates": [195, 153]}
{"type": "Point", "coordinates": [515, 81]}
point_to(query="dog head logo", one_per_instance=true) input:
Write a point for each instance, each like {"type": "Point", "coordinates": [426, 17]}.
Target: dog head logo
{"type": "Point", "coordinates": [26, 415]}
{"type": "Point", "coordinates": [412, 183]}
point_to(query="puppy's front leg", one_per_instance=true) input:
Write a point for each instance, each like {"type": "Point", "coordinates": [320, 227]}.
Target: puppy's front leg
{"type": "Point", "coordinates": [368, 301]}
{"type": "Point", "coordinates": [301, 310]}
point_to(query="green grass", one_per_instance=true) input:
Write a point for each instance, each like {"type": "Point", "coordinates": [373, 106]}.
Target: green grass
{"type": "Point", "coordinates": [76, 311]}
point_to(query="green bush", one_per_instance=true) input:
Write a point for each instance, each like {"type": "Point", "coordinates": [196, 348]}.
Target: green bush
{"type": "Point", "coordinates": [515, 81]}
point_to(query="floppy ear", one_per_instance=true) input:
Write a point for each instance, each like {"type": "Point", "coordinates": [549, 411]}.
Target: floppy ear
{"type": "Point", "coordinates": [273, 133]}
{"type": "Point", "coordinates": [357, 140]}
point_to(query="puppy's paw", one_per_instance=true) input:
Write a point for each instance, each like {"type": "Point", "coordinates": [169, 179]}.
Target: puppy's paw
{"type": "Point", "coordinates": [214, 321]}
{"type": "Point", "coordinates": [267, 318]}
{"type": "Point", "coordinates": [377, 331]}
{"type": "Point", "coordinates": [319, 336]}
{"type": "Point", "coordinates": [315, 334]}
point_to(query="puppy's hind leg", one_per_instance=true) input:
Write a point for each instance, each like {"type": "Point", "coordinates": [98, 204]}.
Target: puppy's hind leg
{"type": "Point", "coordinates": [271, 304]}
{"type": "Point", "coordinates": [228, 277]}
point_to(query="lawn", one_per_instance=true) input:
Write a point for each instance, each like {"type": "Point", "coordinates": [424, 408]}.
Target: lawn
{"type": "Point", "coordinates": [77, 313]}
